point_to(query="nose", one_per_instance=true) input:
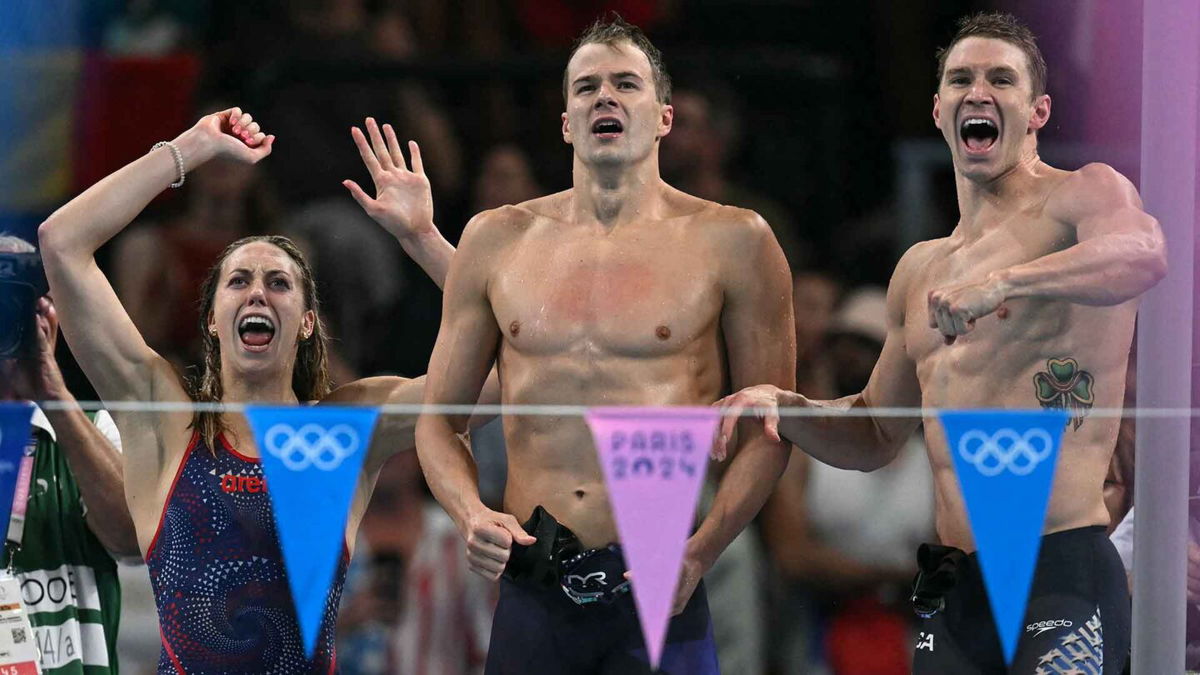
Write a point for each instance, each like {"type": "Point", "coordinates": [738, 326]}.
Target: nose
{"type": "Point", "coordinates": [258, 295]}
{"type": "Point", "coordinates": [979, 94]}
{"type": "Point", "coordinates": [605, 98]}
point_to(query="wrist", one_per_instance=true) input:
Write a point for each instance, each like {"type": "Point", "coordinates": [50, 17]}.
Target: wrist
{"type": "Point", "coordinates": [195, 147]}
{"type": "Point", "coordinates": [700, 552]}
{"type": "Point", "coordinates": [422, 235]}
{"type": "Point", "coordinates": [1000, 282]}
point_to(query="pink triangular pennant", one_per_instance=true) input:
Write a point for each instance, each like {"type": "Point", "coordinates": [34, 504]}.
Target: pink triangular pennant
{"type": "Point", "coordinates": [654, 461]}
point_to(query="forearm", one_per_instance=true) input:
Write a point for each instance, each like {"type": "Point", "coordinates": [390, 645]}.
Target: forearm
{"type": "Point", "coordinates": [1102, 271]}
{"type": "Point", "coordinates": [449, 468]}
{"type": "Point", "coordinates": [431, 251]}
{"type": "Point", "coordinates": [98, 470]}
{"type": "Point", "coordinates": [845, 441]}
{"type": "Point", "coordinates": [86, 222]}
{"type": "Point", "coordinates": [749, 480]}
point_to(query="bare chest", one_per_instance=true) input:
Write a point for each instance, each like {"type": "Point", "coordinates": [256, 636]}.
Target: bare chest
{"type": "Point", "coordinates": [637, 296]}
{"type": "Point", "coordinates": [1019, 320]}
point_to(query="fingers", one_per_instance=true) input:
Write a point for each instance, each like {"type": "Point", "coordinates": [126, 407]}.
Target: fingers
{"type": "Point", "coordinates": [364, 151]}
{"type": "Point", "coordinates": [378, 144]}
{"type": "Point", "coordinates": [771, 424]}
{"type": "Point", "coordinates": [393, 146]}
{"type": "Point", "coordinates": [728, 424]}
{"type": "Point", "coordinates": [364, 200]}
{"type": "Point", "coordinates": [418, 166]}
{"type": "Point", "coordinates": [515, 530]}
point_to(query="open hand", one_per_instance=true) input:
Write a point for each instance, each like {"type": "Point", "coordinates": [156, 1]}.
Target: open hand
{"type": "Point", "coordinates": [762, 400]}
{"type": "Point", "coordinates": [403, 202]}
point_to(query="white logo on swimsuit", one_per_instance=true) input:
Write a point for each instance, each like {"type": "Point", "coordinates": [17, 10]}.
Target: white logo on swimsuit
{"type": "Point", "coordinates": [1005, 450]}
{"type": "Point", "coordinates": [1043, 626]}
{"type": "Point", "coordinates": [312, 445]}
{"type": "Point", "coordinates": [600, 578]}
{"type": "Point", "coordinates": [925, 641]}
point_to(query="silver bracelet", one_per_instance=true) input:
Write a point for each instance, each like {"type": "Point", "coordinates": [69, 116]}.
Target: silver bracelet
{"type": "Point", "coordinates": [178, 160]}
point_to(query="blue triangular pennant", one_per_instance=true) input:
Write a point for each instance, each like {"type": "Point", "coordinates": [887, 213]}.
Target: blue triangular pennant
{"type": "Point", "coordinates": [1005, 463]}
{"type": "Point", "coordinates": [312, 457]}
{"type": "Point", "coordinates": [15, 424]}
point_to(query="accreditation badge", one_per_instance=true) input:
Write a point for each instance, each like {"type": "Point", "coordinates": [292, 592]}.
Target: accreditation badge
{"type": "Point", "coordinates": [18, 648]}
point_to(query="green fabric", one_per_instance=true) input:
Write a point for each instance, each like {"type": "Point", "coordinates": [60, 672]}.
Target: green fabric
{"type": "Point", "coordinates": [68, 580]}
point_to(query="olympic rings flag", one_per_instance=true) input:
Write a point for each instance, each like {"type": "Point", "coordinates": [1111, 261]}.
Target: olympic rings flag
{"type": "Point", "coordinates": [312, 457]}
{"type": "Point", "coordinates": [16, 420]}
{"type": "Point", "coordinates": [654, 461]}
{"type": "Point", "coordinates": [1005, 462]}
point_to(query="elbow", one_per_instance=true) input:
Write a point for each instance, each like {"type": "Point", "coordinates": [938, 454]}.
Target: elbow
{"type": "Point", "coordinates": [52, 244]}
{"type": "Point", "coordinates": [1157, 264]}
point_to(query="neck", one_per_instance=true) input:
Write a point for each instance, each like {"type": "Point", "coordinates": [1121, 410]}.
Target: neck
{"type": "Point", "coordinates": [269, 387]}
{"type": "Point", "coordinates": [616, 194]}
{"type": "Point", "coordinates": [1004, 192]}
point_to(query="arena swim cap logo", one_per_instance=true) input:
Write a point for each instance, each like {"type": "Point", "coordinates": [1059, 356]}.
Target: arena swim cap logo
{"type": "Point", "coordinates": [312, 445]}
{"type": "Point", "coordinates": [1005, 450]}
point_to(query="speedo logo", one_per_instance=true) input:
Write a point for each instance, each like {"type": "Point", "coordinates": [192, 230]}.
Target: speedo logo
{"type": "Point", "coordinates": [1043, 626]}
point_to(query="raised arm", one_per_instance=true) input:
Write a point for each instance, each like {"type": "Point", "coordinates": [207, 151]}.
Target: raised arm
{"type": "Point", "coordinates": [860, 442]}
{"type": "Point", "coordinates": [1119, 253]}
{"type": "Point", "coordinates": [107, 344]}
{"type": "Point", "coordinates": [403, 202]}
{"type": "Point", "coordinates": [466, 347]}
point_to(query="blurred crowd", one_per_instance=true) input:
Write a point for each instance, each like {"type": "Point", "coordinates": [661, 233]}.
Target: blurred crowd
{"type": "Point", "coordinates": [787, 108]}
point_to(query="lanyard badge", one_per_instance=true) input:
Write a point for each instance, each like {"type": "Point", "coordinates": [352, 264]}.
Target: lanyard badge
{"type": "Point", "coordinates": [18, 646]}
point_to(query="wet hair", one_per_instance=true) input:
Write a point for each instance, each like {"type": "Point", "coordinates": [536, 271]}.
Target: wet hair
{"type": "Point", "coordinates": [14, 244]}
{"type": "Point", "coordinates": [310, 374]}
{"type": "Point", "coordinates": [613, 31]}
{"type": "Point", "coordinates": [1000, 26]}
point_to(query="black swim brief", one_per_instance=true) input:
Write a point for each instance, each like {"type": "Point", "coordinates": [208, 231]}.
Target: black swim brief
{"type": "Point", "coordinates": [1077, 619]}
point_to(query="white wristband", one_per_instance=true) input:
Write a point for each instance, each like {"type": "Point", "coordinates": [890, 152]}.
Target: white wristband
{"type": "Point", "coordinates": [178, 160]}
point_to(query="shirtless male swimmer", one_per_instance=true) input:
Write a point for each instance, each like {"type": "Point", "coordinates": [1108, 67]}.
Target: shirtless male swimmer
{"type": "Point", "coordinates": [619, 291]}
{"type": "Point", "coordinates": [1030, 302]}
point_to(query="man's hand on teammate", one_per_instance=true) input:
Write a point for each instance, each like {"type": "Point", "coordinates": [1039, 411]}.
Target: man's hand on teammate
{"type": "Point", "coordinates": [490, 536]}
{"type": "Point", "coordinates": [953, 310]}
{"type": "Point", "coordinates": [761, 400]}
{"type": "Point", "coordinates": [403, 202]}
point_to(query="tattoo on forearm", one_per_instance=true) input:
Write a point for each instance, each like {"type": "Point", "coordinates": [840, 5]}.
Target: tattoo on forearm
{"type": "Point", "coordinates": [1065, 386]}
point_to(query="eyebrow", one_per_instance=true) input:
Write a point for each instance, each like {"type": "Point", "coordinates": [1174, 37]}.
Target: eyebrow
{"type": "Point", "coordinates": [243, 270]}
{"type": "Point", "coordinates": [617, 76]}
{"type": "Point", "coordinates": [995, 70]}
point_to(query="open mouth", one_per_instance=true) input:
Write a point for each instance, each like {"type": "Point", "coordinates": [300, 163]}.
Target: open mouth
{"type": "Point", "coordinates": [607, 127]}
{"type": "Point", "coordinates": [256, 332]}
{"type": "Point", "coordinates": [979, 134]}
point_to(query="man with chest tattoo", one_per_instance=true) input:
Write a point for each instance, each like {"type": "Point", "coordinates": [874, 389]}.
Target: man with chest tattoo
{"type": "Point", "coordinates": [1030, 302]}
{"type": "Point", "coordinates": [619, 291]}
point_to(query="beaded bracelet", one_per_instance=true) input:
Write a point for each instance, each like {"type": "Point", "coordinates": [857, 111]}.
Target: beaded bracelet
{"type": "Point", "coordinates": [178, 160]}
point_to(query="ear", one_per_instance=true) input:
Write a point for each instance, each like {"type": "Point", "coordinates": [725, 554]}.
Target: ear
{"type": "Point", "coordinates": [666, 118]}
{"type": "Point", "coordinates": [566, 129]}
{"type": "Point", "coordinates": [306, 324]}
{"type": "Point", "coordinates": [937, 114]}
{"type": "Point", "coordinates": [212, 325]}
{"type": "Point", "coordinates": [1041, 113]}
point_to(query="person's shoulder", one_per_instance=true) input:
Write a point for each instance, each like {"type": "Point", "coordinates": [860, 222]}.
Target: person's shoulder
{"type": "Point", "coordinates": [1092, 189]}
{"type": "Point", "coordinates": [731, 224]}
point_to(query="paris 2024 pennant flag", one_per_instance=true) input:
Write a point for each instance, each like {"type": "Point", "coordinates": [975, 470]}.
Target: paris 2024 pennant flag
{"type": "Point", "coordinates": [312, 457]}
{"type": "Point", "coordinates": [1005, 462]}
{"type": "Point", "coordinates": [654, 461]}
